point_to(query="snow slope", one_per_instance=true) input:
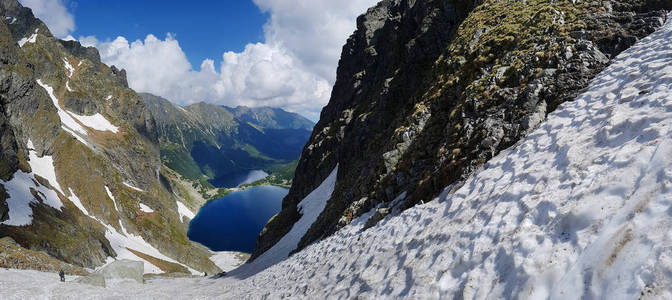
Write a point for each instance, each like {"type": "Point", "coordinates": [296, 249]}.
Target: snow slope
{"type": "Point", "coordinates": [184, 211]}
{"type": "Point", "coordinates": [31, 39]}
{"type": "Point", "coordinates": [228, 260]}
{"type": "Point", "coordinates": [310, 208]}
{"type": "Point", "coordinates": [96, 122]}
{"type": "Point", "coordinates": [19, 187]}
{"type": "Point", "coordinates": [581, 208]}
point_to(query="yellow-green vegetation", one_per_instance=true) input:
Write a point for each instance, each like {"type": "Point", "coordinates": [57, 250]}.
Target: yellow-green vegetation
{"type": "Point", "coordinates": [165, 266]}
{"type": "Point", "coordinates": [498, 50]}
{"type": "Point", "coordinates": [12, 255]}
{"type": "Point", "coordinates": [509, 36]}
{"type": "Point", "coordinates": [282, 177]}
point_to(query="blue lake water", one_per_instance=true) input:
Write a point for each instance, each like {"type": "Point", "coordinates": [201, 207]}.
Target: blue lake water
{"type": "Point", "coordinates": [232, 223]}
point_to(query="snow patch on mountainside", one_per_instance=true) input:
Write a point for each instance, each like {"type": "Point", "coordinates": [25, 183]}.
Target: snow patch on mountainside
{"type": "Point", "coordinates": [145, 208]}
{"type": "Point", "coordinates": [44, 167]}
{"type": "Point", "coordinates": [114, 200]}
{"type": "Point", "coordinates": [96, 122]}
{"type": "Point", "coordinates": [310, 208]}
{"type": "Point", "coordinates": [184, 211]}
{"type": "Point", "coordinates": [66, 120]}
{"type": "Point", "coordinates": [68, 67]}
{"type": "Point", "coordinates": [31, 39]}
{"type": "Point", "coordinates": [122, 242]}
{"type": "Point", "coordinates": [20, 186]}
{"type": "Point", "coordinates": [128, 185]}
{"type": "Point", "coordinates": [78, 203]}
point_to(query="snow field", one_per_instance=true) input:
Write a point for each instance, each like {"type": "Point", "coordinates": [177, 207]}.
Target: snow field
{"type": "Point", "coordinates": [71, 121]}
{"type": "Point", "coordinates": [20, 213]}
{"type": "Point", "coordinates": [184, 211]}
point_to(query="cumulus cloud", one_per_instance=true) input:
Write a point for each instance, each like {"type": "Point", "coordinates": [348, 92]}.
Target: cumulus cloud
{"type": "Point", "coordinates": [313, 30]}
{"type": "Point", "coordinates": [53, 13]}
{"type": "Point", "coordinates": [294, 68]}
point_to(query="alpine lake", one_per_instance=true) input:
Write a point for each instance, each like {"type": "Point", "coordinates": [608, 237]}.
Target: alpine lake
{"type": "Point", "coordinates": [232, 223]}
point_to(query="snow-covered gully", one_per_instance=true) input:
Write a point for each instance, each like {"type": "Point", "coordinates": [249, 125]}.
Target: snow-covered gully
{"type": "Point", "coordinates": [579, 209]}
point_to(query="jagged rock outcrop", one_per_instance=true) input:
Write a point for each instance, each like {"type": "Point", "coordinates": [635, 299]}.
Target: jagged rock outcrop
{"type": "Point", "coordinates": [79, 154]}
{"type": "Point", "coordinates": [428, 91]}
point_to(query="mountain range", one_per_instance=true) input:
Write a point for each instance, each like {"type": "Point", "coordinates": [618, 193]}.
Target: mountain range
{"type": "Point", "coordinates": [209, 146]}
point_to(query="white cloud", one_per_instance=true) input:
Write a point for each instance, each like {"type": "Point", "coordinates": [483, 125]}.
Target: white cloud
{"type": "Point", "coordinates": [53, 13]}
{"type": "Point", "coordinates": [294, 68]}
{"type": "Point", "coordinates": [313, 30]}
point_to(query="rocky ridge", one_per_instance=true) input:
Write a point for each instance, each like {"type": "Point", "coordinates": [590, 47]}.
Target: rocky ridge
{"type": "Point", "coordinates": [428, 91]}
{"type": "Point", "coordinates": [79, 154]}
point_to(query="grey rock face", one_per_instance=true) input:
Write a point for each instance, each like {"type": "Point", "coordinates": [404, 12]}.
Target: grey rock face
{"type": "Point", "coordinates": [419, 104]}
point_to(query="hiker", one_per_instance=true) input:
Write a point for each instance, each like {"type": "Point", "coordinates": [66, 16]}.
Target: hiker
{"type": "Point", "coordinates": [62, 275]}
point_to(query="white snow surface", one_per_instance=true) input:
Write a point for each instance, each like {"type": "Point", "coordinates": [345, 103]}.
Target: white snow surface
{"type": "Point", "coordinates": [128, 185]}
{"type": "Point", "coordinates": [145, 208]}
{"type": "Point", "coordinates": [69, 68]}
{"type": "Point", "coordinates": [78, 203]}
{"type": "Point", "coordinates": [19, 201]}
{"type": "Point", "coordinates": [580, 209]}
{"type": "Point", "coordinates": [43, 167]}
{"type": "Point", "coordinates": [184, 211]}
{"type": "Point", "coordinates": [114, 200]}
{"type": "Point", "coordinates": [20, 213]}
{"type": "Point", "coordinates": [96, 122]}
{"type": "Point", "coordinates": [310, 208]}
{"type": "Point", "coordinates": [30, 39]}
{"type": "Point", "coordinates": [121, 242]}
{"type": "Point", "coordinates": [227, 260]}
{"type": "Point", "coordinates": [66, 119]}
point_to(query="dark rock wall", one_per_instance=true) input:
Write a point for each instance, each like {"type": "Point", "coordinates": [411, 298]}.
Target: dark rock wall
{"type": "Point", "coordinates": [428, 91]}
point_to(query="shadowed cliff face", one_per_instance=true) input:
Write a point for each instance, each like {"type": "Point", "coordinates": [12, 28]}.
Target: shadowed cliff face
{"type": "Point", "coordinates": [428, 91]}
{"type": "Point", "coordinates": [64, 112]}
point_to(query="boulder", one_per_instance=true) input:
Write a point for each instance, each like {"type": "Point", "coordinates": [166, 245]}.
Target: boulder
{"type": "Point", "coordinates": [123, 269]}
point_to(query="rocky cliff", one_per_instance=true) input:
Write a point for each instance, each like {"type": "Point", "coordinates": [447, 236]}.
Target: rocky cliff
{"type": "Point", "coordinates": [79, 164]}
{"type": "Point", "coordinates": [428, 91]}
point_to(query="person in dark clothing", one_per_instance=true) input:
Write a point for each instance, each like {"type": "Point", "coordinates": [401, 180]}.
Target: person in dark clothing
{"type": "Point", "coordinates": [62, 275]}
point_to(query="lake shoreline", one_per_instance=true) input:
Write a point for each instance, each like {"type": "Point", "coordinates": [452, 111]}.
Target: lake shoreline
{"type": "Point", "coordinates": [234, 224]}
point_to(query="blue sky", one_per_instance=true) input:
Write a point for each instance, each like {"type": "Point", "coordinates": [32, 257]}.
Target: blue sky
{"type": "Point", "coordinates": [278, 53]}
{"type": "Point", "coordinates": [204, 28]}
